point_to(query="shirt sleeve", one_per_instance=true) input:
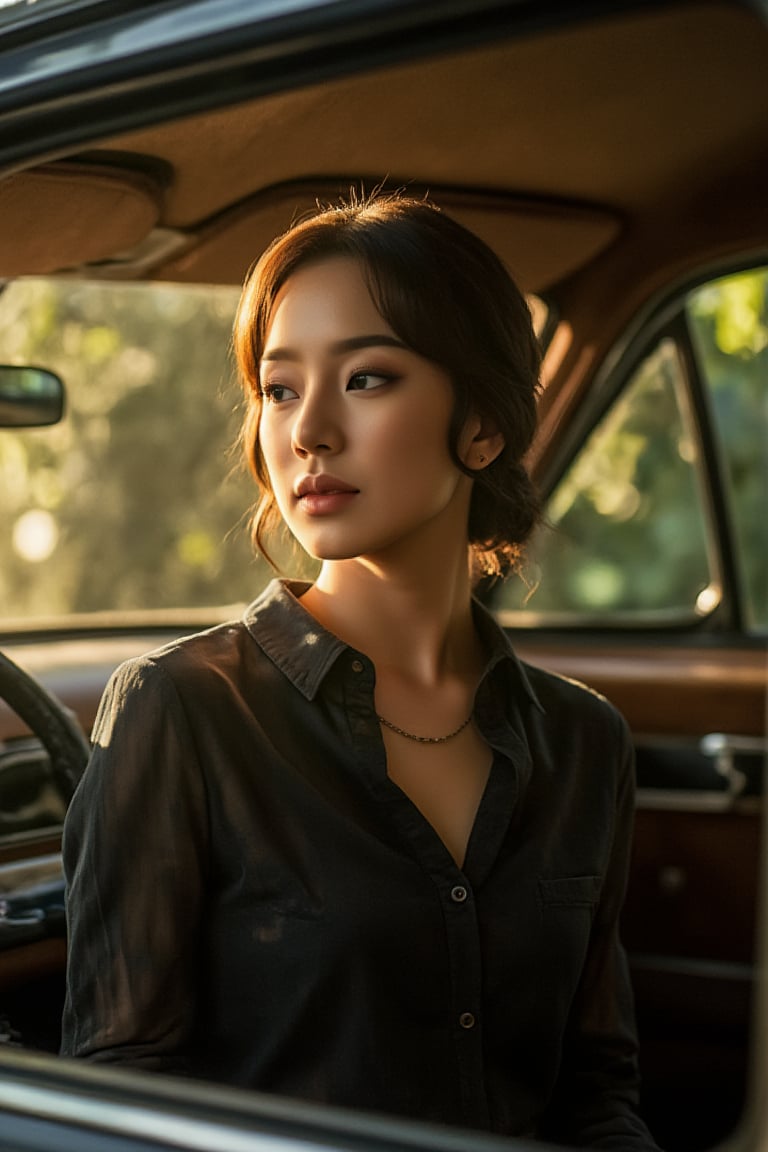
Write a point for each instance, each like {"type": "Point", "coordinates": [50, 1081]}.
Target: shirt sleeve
{"type": "Point", "coordinates": [135, 858]}
{"type": "Point", "coordinates": [596, 1102]}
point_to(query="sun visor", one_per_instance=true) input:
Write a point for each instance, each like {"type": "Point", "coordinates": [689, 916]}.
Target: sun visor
{"type": "Point", "coordinates": [540, 241]}
{"type": "Point", "coordinates": [65, 215]}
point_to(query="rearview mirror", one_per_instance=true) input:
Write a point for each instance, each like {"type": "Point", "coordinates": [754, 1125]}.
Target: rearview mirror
{"type": "Point", "coordinates": [29, 397]}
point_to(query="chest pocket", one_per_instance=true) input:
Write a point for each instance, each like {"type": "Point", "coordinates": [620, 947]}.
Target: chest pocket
{"type": "Point", "coordinates": [570, 892]}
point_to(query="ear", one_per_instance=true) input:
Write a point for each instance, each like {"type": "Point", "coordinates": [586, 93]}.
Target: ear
{"type": "Point", "coordinates": [480, 442]}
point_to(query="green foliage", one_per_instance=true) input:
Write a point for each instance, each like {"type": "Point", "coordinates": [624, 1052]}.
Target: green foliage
{"type": "Point", "coordinates": [729, 326]}
{"type": "Point", "coordinates": [137, 500]}
{"type": "Point", "coordinates": [628, 525]}
{"type": "Point", "coordinates": [625, 533]}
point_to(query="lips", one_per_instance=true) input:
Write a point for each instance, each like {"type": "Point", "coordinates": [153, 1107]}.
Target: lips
{"type": "Point", "coordinates": [322, 484]}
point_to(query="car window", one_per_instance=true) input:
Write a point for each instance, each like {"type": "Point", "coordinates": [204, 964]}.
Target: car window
{"type": "Point", "coordinates": [729, 327]}
{"type": "Point", "coordinates": [137, 501]}
{"type": "Point", "coordinates": [628, 532]}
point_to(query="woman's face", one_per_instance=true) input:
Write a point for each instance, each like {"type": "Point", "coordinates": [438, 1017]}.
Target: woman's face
{"type": "Point", "coordinates": [354, 425]}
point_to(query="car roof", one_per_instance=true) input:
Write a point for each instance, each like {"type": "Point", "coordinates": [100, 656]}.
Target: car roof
{"type": "Point", "coordinates": [557, 147]}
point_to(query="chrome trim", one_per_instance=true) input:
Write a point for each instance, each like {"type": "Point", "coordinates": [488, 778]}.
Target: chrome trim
{"type": "Point", "coordinates": [171, 1112]}
{"type": "Point", "coordinates": [142, 1121]}
{"type": "Point", "coordinates": [723, 748]}
{"type": "Point", "coordinates": [727, 743]}
{"type": "Point", "coordinates": [640, 621]}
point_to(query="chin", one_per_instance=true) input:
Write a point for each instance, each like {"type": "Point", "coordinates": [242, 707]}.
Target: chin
{"type": "Point", "coordinates": [326, 550]}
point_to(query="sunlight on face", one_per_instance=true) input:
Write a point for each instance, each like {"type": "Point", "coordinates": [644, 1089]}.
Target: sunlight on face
{"type": "Point", "coordinates": [354, 427]}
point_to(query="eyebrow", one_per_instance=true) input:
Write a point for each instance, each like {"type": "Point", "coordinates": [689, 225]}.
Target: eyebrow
{"type": "Point", "coordinates": [350, 345]}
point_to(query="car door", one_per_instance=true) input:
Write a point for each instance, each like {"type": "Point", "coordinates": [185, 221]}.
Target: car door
{"type": "Point", "coordinates": [649, 582]}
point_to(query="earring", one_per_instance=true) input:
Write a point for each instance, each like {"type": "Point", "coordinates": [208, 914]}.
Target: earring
{"type": "Point", "coordinates": [481, 459]}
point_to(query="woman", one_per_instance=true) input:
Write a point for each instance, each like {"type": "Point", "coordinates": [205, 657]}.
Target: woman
{"type": "Point", "coordinates": [349, 848]}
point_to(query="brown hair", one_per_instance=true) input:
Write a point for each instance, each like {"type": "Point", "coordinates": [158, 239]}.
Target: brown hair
{"type": "Point", "coordinates": [449, 298]}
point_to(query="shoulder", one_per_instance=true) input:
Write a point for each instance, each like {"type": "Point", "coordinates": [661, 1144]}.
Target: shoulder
{"type": "Point", "coordinates": [181, 659]}
{"type": "Point", "coordinates": [563, 691]}
{"type": "Point", "coordinates": [574, 709]}
{"type": "Point", "coordinates": [559, 707]}
{"type": "Point", "coordinates": [581, 748]}
{"type": "Point", "coordinates": [181, 679]}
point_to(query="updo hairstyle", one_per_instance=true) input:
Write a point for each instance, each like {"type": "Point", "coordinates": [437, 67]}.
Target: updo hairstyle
{"type": "Point", "coordinates": [447, 296]}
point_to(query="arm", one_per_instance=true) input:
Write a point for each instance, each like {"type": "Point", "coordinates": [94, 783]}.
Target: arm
{"type": "Point", "coordinates": [135, 849]}
{"type": "Point", "coordinates": [596, 1100]}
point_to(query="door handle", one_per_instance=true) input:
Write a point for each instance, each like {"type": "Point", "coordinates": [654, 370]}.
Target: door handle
{"type": "Point", "coordinates": [724, 748]}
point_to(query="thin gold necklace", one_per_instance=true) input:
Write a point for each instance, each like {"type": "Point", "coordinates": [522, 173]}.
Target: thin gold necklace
{"type": "Point", "coordinates": [423, 739]}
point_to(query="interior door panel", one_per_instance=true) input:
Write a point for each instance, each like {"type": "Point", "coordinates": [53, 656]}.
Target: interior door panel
{"type": "Point", "coordinates": [689, 921]}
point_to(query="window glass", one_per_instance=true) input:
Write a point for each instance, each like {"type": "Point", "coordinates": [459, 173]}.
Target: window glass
{"type": "Point", "coordinates": [729, 326]}
{"type": "Point", "coordinates": [137, 500]}
{"type": "Point", "coordinates": [625, 530]}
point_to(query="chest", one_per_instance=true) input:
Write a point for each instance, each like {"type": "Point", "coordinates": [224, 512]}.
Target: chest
{"type": "Point", "coordinates": [444, 781]}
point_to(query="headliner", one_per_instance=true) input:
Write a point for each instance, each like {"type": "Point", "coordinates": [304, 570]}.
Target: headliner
{"type": "Point", "coordinates": [554, 147]}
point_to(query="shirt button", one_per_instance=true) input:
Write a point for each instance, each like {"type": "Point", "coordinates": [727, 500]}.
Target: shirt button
{"type": "Point", "coordinates": [357, 666]}
{"type": "Point", "coordinates": [459, 894]}
{"type": "Point", "coordinates": [467, 1020]}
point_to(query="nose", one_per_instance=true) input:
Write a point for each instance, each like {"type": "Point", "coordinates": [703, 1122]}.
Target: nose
{"type": "Point", "coordinates": [317, 428]}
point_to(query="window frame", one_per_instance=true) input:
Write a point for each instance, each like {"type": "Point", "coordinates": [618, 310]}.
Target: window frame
{"type": "Point", "coordinates": [665, 316]}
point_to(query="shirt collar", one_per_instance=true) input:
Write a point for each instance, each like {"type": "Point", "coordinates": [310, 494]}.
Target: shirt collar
{"type": "Point", "coordinates": [305, 652]}
{"type": "Point", "coordinates": [290, 636]}
{"type": "Point", "coordinates": [500, 651]}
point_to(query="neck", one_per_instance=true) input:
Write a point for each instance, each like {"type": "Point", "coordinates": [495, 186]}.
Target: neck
{"type": "Point", "coordinates": [413, 620]}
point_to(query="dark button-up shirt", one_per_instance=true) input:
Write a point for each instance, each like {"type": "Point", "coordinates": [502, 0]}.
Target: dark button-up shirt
{"type": "Point", "coordinates": [251, 899]}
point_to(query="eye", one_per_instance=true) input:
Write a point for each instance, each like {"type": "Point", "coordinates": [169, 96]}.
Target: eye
{"type": "Point", "coordinates": [367, 381]}
{"type": "Point", "coordinates": [277, 393]}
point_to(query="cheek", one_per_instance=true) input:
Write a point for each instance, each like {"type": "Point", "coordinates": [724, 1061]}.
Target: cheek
{"type": "Point", "coordinates": [273, 468]}
{"type": "Point", "coordinates": [270, 444]}
{"type": "Point", "coordinates": [419, 443]}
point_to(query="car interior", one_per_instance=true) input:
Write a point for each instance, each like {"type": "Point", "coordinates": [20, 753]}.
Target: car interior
{"type": "Point", "coordinates": [619, 166]}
